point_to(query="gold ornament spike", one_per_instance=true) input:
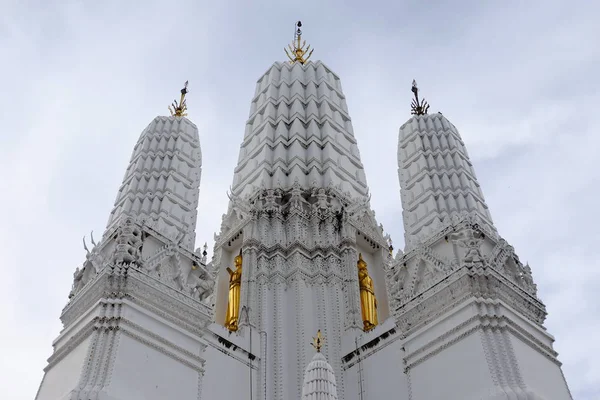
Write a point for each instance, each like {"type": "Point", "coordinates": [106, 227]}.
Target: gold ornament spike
{"type": "Point", "coordinates": [298, 50]}
{"type": "Point", "coordinates": [179, 110]}
{"type": "Point", "coordinates": [318, 341]}
{"type": "Point", "coordinates": [418, 107]}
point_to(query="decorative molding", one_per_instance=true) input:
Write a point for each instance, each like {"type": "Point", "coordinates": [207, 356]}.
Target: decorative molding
{"type": "Point", "coordinates": [60, 352]}
{"type": "Point", "coordinates": [163, 345]}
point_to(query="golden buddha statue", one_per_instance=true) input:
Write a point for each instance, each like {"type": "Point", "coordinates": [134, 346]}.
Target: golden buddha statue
{"type": "Point", "coordinates": [233, 305]}
{"type": "Point", "coordinates": [368, 302]}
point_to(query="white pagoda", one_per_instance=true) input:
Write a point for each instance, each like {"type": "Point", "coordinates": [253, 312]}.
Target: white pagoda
{"type": "Point", "coordinates": [454, 316]}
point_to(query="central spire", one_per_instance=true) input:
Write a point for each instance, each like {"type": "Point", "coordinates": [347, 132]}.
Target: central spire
{"type": "Point", "coordinates": [298, 50]}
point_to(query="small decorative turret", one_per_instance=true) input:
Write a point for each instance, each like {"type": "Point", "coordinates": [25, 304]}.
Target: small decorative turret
{"type": "Point", "coordinates": [418, 107]}
{"type": "Point", "coordinates": [297, 50]}
{"type": "Point", "coordinates": [179, 110]}
{"type": "Point", "coordinates": [319, 378]}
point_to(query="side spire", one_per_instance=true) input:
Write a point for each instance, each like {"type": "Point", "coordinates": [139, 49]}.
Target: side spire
{"type": "Point", "coordinates": [418, 107]}
{"type": "Point", "coordinates": [179, 110]}
{"type": "Point", "coordinates": [297, 50]}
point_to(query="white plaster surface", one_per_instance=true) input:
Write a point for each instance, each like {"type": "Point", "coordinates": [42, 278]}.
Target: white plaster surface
{"type": "Point", "coordinates": [458, 372]}
{"type": "Point", "coordinates": [227, 377]}
{"type": "Point", "coordinates": [144, 373]}
{"type": "Point", "coordinates": [63, 377]}
{"type": "Point", "coordinates": [541, 376]}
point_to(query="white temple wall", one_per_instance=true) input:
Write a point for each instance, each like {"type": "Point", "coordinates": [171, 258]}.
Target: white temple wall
{"type": "Point", "coordinates": [149, 371]}
{"type": "Point", "coordinates": [540, 374]}
{"type": "Point", "coordinates": [151, 322]}
{"type": "Point", "coordinates": [64, 376]}
{"type": "Point", "coordinates": [378, 371]}
{"type": "Point", "coordinates": [351, 383]}
{"type": "Point", "coordinates": [448, 352]}
{"type": "Point", "coordinates": [383, 374]}
{"type": "Point", "coordinates": [425, 337]}
{"type": "Point", "coordinates": [479, 350]}
{"type": "Point", "coordinates": [69, 331]}
{"type": "Point", "coordinates": [226, 377]}
{"type": "Point", "coordinates": [457, 372]}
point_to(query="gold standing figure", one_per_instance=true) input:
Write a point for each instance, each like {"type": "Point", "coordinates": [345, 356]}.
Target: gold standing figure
{"type": "Point", "coordinates": [368, 301]}
{"type": "Point", "coordinates": [233, 305]}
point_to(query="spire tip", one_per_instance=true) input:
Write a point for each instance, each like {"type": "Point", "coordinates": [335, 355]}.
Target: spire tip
{"type": "Point", "coordinates": [179, 110]}
{"type": "Point", "coordinates": [318, 341]}
{"type": "Point", "coordinates": [418, 107]}
{"type": "Point", "coordinates": [298, 52]}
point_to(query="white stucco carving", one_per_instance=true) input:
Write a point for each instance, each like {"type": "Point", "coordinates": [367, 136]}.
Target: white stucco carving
{"type": "Point", "coordinates": [437, 179]}
{"type": "Point", "coordinates": [161, 184]}
{"type": "Point", "coordinates": [300, 212]}
{"type": "Point", "coordinates": [145, 315]}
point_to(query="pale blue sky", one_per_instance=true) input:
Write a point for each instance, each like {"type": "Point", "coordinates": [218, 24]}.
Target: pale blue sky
{"type": "Point", "coordinates": [81, 79]}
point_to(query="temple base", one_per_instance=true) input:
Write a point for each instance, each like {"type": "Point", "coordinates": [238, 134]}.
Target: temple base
{"type": "Point", "coordinates": [130, 342]}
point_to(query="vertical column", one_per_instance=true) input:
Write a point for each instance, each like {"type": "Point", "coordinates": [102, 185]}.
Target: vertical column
{"type": "Point", "coordinates": [301, 317]}
{"type": "Point", "coordinates": [248, 289]}
{"type": "Point", "coordinates": [353, 316]}
{"type": "Point", "coordinates": [278, 356]}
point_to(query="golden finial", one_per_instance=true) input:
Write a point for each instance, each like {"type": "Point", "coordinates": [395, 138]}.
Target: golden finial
{"type": "Point", "coordinates": [318, 341]}
{"type": "Point", "coordinates": [418, 107]}
{"type": "Point", "coordinates": [180, 110]}
{"type": "Point", "coordinates": [297, 50]}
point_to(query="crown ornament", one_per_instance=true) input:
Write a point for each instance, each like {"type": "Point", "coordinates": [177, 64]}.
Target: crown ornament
{"type": "Point", "coordinates": [299, 52]}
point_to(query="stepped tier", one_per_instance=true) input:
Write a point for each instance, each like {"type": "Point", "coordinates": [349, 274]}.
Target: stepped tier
{"type": "Point", "coordinates": [162, 181]}
{"type": "Point", "coordinates": [437, 179]}
{"type": "Point", "coordinates": [299, 130]}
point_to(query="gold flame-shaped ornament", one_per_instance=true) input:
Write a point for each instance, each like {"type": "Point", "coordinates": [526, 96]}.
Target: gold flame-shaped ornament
{"type": "Point", "coordinates": [299, 52]}
{"type": "Point", "coordinates": [318, 341]}
{"type": "Point", "coordinates": [179, 110]}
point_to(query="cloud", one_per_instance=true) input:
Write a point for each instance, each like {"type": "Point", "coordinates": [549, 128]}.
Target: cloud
{"type": "Point", "coordinates": [83, 79]}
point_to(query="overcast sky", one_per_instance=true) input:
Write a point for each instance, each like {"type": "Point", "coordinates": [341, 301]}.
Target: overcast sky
{"type": "Point", "coordinates": [80, 80]}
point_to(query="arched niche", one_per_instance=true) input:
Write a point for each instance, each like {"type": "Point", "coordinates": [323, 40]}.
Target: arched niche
{"type": "Point", "coordinates": [228, 253]}
{"type": "Point", "coordinates": [374, 257]}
